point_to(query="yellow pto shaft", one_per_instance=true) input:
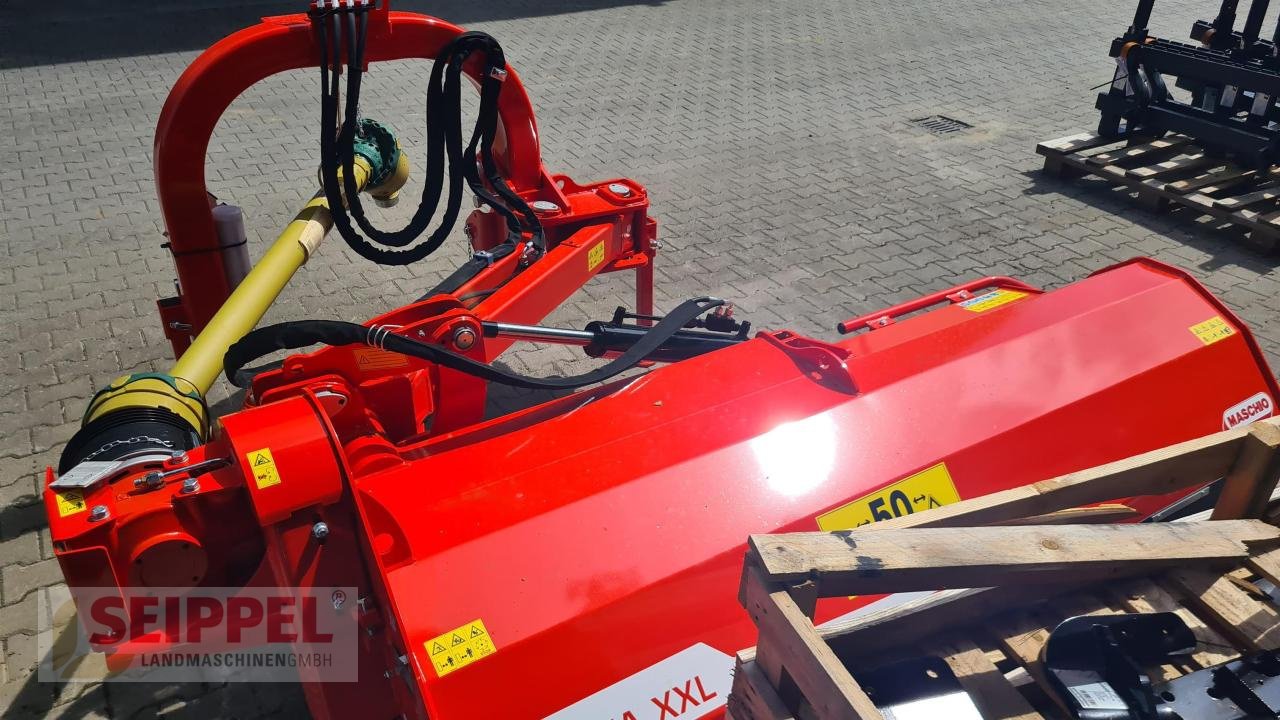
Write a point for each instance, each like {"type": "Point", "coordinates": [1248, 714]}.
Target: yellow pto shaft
{"type": "Point", "coordinates": [201, 364]}
{"type": "Point", "coordinates": [166, 412]}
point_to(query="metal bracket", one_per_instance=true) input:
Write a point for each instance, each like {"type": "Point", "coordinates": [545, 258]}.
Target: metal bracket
{"type": "Point", "coordinates": [1097, 664]}
{"type": "Point", "coordinates": [89, 473]}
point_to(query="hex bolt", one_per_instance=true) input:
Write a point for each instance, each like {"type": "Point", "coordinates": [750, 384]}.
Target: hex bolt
{"type": "Point", "coordinates": [320, 531]}
{"type": "Point", "coordinates": [179, 457]}
{"type": "Point", "coordinates": [190, 485]}
{"type": "Point", "coordinates": [464, 338]}
{"type": "Point", "coordinates": [98, 513]}
{"type": "Point", "coordinates": [620, 189]}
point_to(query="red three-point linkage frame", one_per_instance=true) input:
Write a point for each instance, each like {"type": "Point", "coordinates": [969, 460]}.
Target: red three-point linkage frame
{"type": "Point", "coordinates": [590, 229]}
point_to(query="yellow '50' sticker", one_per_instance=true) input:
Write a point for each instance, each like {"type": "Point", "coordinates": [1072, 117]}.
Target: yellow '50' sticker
{"type": "Point", "coordinates": [926, 489]}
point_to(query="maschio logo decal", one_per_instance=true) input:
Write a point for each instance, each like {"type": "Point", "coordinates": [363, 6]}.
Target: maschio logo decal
{"type": "Point", "coordinates": [1251, 410]}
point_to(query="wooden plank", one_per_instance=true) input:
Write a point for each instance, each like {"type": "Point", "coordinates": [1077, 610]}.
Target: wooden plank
{"type": "Point", "coordinates": [790, 647]}
{"type": "Point", "coordinates": [1073, 143]}
{"type": "Point", "coordinates": [1269, 192]}
{"type": "Point", "coordinates": [1108, 513]}
{"type": "Point", "coordinates": [752, 697]}
{"type": "Point", "coordinates": [1081, 603]}
{"type": "Point", "coordinates": [1022, 637]}
{"type": "Point", "coordinates": [1248, 486]}
{"type": "Point", "coordinates": [986, 685]}
{"type": "Point", "coordinates": [1213, 192]}
{"type": "Point", "coordinates": [1153, 169]}
{"type": "Point", "coordinates": [1171, 167]}
{"type": "Point", "coordinates": [1219, 180]}
{"type": "Point", "coordinates": [1158, 472]}
{"type": "Point", "coordinates": [1262, 224]}
{"type": "Point", "coordinates": [858, 562]}
{"type": "Point", "coordinates": [1201, 202]}
{"type": "Point", "coordinates": [1144, 596]}
{"type": "Point", "coordinates": [1141, 150]}
{"type": "Point", "coordinates": [1110, 172]}
{"type": "Point", "coordinates": [878, 632]}
{"type": "Point", "coordinates": [1266, 564]}
{"type": "Point", "coordinates": [1247, 622]}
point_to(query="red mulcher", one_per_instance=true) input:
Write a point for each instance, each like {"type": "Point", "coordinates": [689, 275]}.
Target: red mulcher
{"type": "Point", "coordinates": [596, 539]}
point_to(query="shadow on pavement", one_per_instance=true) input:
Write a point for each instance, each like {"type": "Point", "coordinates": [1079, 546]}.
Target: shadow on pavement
{"type": "Point", "coordinates": [1225, 242]}
{"type": "Point", "coordinates": [43, 33]}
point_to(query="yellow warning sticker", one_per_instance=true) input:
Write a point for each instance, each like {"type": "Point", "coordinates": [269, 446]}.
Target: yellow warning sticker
{"type": "Point", "coordinates": [459, 648]}
{"type": "Point", "coordinates": [993, 299]}
{"type": "Point", "coordinates": [265, 473]}
{"type": "Point", "coordinates": [1212, 330]}
{"type": "Point", "coordinates": [375, 359]}
{"type": "Point", "coordinates": [926, 489]}
{"type": "Point", "coordinates": [595, 256]}
{"type": "Point", "coordinates": [70, 502]}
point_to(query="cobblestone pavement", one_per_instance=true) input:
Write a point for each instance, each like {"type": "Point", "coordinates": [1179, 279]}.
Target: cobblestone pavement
{"type": "Point", "coordinates": [771, 135]}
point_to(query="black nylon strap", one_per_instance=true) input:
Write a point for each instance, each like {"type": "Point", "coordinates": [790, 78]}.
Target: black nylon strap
{"type": "Point", "coordinates": [304, 333]}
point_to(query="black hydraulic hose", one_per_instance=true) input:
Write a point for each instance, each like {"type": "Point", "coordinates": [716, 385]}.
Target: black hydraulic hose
{"type": "Point", "coordinates": [444, 139]}
{"type": "Point", "coordinates": [507, 202]}
{"type": "Point", "coordinates": [304, 333]}
{"type": "Point", "coordinates": [337, 150]}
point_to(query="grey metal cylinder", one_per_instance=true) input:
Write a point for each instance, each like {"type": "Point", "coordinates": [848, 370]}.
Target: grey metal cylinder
{"type": "Point", "coordinates": [228, 222]}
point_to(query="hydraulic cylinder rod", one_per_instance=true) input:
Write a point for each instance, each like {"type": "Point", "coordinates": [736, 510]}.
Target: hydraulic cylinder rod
{"type": "Point", "coordinates": [202, 362]}
{"type": "Point", "coordinates": [538, 333]}
{"type": "Point", "coordinates": [607, 340]}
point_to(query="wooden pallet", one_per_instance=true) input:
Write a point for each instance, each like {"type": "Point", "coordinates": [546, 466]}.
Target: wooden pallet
{"type": "Point", "coordinates": [1033, 576]}
{"type": "Point", "coordinates": [1175, 170]}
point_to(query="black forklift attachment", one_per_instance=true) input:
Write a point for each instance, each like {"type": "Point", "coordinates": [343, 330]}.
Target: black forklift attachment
{"type": "Point", "coordinates": [1097, 665]}
{"type": "Point", "coordinates": [1229, 81]}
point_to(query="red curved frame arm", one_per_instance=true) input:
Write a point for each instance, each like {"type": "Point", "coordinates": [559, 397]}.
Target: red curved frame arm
{"type": "Point", "coordinates": [227, 69]}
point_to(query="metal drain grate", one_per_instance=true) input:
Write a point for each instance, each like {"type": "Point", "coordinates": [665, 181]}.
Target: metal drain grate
{"type": "Point", "coordinates": [941, 124]}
